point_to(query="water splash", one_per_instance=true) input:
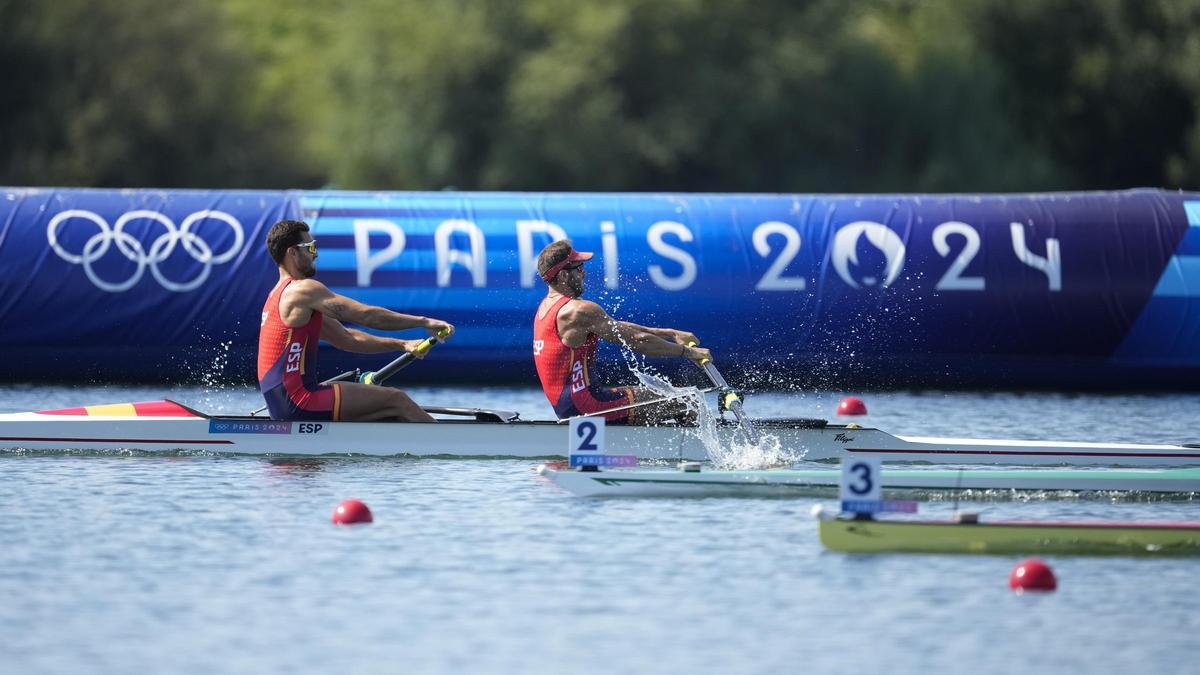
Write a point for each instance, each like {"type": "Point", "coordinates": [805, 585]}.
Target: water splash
{"type": "Point", "coordinates": [736, 453]}
{"type": "Point", "coordinates": [742, 455]}
{"type": "Point", "coordinates": [208, 368]}
{"type": "Point", "coordinates": [213, 376]}
{"type": "Point", "coordinates": [732, 453]}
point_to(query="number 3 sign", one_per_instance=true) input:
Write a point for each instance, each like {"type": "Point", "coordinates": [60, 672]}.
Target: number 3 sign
{"type": "Point", "coordinates": [860, 480]}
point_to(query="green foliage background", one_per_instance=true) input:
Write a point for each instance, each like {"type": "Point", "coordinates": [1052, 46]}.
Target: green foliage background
{"type": "Point", "coordinates": [688, 95]}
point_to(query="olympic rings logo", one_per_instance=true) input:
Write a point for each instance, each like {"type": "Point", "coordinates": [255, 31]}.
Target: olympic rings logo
{"type": "Point", "coordinates": [135, 252]}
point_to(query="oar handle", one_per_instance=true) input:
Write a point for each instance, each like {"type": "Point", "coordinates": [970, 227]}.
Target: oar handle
{"type": "Point", "coordinates": [381, 375]}
{"type": "Point", "coordinates": [704, 361]}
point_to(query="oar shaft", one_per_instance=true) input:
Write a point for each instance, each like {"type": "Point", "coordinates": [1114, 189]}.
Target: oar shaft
{"type": "Point", "coordinates": [736, 404]}
{"type": "Point", "coordinates": [348, 375]}
{"type": "Point", "coordinates": [381, 375]}
{"type": "Point", "coordinates": [640, 404]}
{"type": "Point", "coordinates": [711, 371]}
{"type": "Point", "coordinates": [740, 414]}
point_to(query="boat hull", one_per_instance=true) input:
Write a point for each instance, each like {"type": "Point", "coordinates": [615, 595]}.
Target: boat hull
{"type": "Point", "coordinates": [1011, 538]}
{"type": "Point", "coordinates": [824, 482]}
{"type": "Point", "coordinates": [803, 439]}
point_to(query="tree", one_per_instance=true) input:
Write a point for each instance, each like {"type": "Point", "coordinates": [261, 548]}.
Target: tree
{"type": "Point", "coordinates": [132, 93]}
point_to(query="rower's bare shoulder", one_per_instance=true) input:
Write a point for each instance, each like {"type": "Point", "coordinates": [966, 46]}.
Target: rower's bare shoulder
{"type": "Point", "coordinates": [302, 295]}
{"type": "Point", "coordinates": [306, 289]}
{"type": "Point", "coordinates": [584, 315]}
{"type": "Point", "coordinates": [582, 307]}
{"type": "Point", "coordinates": [581, 311]}
{"type": "Point", "coordinates": [305, 285]}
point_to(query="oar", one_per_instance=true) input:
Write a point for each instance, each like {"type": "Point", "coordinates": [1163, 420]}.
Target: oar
{"type": "Point", "coordinates": [728, 397]}
{"type": "Point", "coordinates": [673, 397]}
{"type": "Point", "coordinates": [380, 376]}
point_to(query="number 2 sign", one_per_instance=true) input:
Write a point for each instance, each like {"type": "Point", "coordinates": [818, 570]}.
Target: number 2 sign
{"type": "Point", "coordinates": [586, 436]}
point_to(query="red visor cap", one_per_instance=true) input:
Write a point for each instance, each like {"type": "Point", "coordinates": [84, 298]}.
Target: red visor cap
{"type": "Point", "coordinates": [575, 256]}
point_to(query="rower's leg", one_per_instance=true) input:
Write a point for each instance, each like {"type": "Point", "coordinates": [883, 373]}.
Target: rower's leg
{"type": "Point", "coordinates": [368, 403]}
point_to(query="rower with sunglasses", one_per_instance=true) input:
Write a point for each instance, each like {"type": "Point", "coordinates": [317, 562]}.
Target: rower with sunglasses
{"type": "Point", "coordinates": [298, 313]}
{"type": "Point", "coordinates": [566, 331]}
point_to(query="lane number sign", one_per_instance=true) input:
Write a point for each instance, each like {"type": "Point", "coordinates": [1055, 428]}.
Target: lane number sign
{"type": "Point", "coordinates": [861, 489]}
{"type": "Point", "coordinates": [860, 480]}
{"type": "Point", "coordinates": [586, 436]}
{"type": "Point", "coordinates": [585, 445]}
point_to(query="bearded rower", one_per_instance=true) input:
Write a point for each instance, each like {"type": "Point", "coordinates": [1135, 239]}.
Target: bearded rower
{"type": "Point", "coordinates": [566, 332]}
{"type": "Point", "coordinates": [298, 313]}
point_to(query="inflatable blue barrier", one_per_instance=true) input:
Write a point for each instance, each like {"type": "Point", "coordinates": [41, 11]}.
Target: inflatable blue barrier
{"type": "Point", "coordinates": [1093, 290]}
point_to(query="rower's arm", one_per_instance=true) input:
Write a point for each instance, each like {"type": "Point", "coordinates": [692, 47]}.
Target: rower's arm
{"type": "Point", "coordinates": [679, 336]}
{"type": "Point", "coordinates": [653, 342]}
{"type": "Point", "coordinates": [351, 340]}
{"type": "Point", "coordinates": [590, 317]}
{"type": "Point", "coordinates": [317, 297]}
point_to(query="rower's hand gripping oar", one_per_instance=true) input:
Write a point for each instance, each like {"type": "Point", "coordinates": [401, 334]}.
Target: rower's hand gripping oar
{"type": "Point", "coordinates": [380, 376]}
{"type": "Point", "coordinates": [728, 399]}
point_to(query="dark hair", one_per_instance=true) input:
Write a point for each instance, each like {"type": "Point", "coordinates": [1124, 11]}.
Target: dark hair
{"type": "Point", "coordinates": [552, 255]}
{"type": "Point", "coordinates": [284, 235]}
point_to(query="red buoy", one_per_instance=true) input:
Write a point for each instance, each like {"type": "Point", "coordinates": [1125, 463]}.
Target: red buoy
{"type": "Point", "coordinates": [1032, 575]}
{"type": "Point", "coordinates": [852, 405]}
{"type": "Point", "coordinates": [351, 512]}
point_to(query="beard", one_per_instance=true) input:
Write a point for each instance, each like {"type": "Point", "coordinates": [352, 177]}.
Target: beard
{"type": "Point", "coordinates": [575, 286]}
{"type": "Point", "coordinates": [306, 270]}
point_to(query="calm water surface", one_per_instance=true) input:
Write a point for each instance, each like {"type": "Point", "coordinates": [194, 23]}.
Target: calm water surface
{"type": "Point", "coordinates": [207, 564]}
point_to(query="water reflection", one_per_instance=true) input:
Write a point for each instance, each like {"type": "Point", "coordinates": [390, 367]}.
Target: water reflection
{"type": "Point", "coordinates": [300, 467]}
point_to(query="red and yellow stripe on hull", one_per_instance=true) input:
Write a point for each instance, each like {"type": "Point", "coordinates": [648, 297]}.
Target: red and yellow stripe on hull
{"type": "Point", "coordinates": [140, 409]}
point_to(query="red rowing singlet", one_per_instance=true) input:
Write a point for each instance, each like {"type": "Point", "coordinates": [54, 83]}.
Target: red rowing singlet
{"type": "Point", "coordinates": [565, 371]}
{"type": "Point", "coordinates": [287, 366]}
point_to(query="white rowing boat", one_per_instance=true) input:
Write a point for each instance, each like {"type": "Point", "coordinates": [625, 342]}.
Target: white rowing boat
{"type": "Point", "coordinates": [824, 482]}
{"type": "Point", "coordinates": [168, 426]}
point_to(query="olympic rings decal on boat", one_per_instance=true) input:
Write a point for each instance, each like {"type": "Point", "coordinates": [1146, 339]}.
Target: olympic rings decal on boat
{"type": "Point", "coordinates": [134, 251]}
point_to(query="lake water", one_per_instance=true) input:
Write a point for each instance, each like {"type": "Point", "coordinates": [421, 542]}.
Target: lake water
{"type": "Point", "coordinates": [202, 564]}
